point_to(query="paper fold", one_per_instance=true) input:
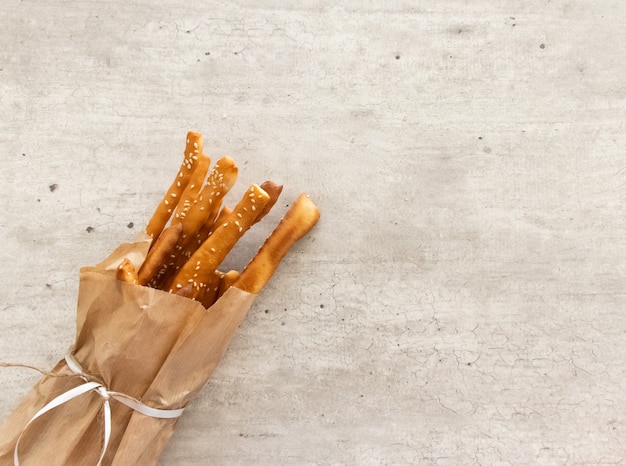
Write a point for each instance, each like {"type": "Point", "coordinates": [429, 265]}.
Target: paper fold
{"type": "Point", "coordinates": [153, 346]}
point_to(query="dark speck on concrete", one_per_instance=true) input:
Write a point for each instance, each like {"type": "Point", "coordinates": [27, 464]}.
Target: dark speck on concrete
{"type": "Point", "coordinates": [90, 229]}
{"type": "Point", "coordinates": [397, 57]}
{"type": "Point", "coordinates": [130, 225]}
{"type": "Point", "coordinates": [53, 187]}
{"type": "Point", "coordinates": [542, 46]}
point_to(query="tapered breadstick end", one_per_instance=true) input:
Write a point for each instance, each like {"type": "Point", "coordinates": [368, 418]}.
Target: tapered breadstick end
{"type": "Point", "coordinates": [126, 272]}
{"type": "Point", "coordinates": [297, 222]}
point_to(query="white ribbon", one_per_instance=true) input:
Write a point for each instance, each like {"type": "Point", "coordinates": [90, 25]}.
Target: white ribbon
{"type": "Point", "coordinates": [106, 396]}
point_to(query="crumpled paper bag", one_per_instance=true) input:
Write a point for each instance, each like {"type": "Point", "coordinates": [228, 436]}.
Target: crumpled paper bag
{"type": "Point", "coordinates": [153, 346]}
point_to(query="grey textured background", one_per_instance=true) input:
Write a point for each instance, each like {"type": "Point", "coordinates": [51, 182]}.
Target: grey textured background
{"type": "Point", "coordinates": [462, 300]}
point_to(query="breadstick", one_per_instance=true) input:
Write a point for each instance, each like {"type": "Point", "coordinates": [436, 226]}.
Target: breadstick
{"type": "Point", "coordinates": [208, 294]}
{"type": "Point", "coordinates": [212, 284]}
{"type": "Point", "coordinates": [208, 201]}
{"type": "Point", "coordinates": [190, 195]}
{"type": "Point", "coordinates": [169, 202]}
{"type": "Point", "coordinates": [202, 265]}
{"type": "Point", "coordinates": [159, 254]}
{"type": "Point", "coordinates": [297, 222]}
{"type": "Point", "coordinates": [273, 190]}
{"type": "Point", "coordinates": [226, 281]}
{"type": "Point", "coordinates": [126, 272]}
{"type": "Point", "coordinates": [186, 291]}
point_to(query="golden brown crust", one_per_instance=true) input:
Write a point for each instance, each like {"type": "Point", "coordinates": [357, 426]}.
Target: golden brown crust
{"type": "Point", "coordinates": [126, 272]}
{"type": "Point", "coordinates": [297, 222]}
{"type": "Point", "coordinates": [273, 190]}
{"type": "Point", "coordinates": [201, 266]}
{"type": "Point", "coordinates": [226, 281]}
{"type": "Point", "coordinates": [159, 254]}
{"type": "Point", "coordinates": [189, 197]}
{"type": "Point", "coordinates": [208, 200]}
{"type": "Point", "coordinates": [186, 291]}
{"type": "Point", "coordinates": [170, 200]}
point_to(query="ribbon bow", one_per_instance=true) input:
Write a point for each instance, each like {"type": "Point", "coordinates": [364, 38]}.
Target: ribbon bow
{"type": "Point", "coordinates": [106, 395]}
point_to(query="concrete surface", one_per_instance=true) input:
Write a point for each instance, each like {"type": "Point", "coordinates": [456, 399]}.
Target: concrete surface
{"type": "Point", "coordinates": [462, 300]}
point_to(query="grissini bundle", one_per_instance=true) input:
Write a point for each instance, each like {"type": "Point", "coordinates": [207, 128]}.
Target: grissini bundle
{"type": "Point", "coordinates": [185, 257]}
{"type": "Point", "coordinates": [153, 321]}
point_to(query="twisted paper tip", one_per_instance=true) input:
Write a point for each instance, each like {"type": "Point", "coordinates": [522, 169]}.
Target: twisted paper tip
{"type": "Point", "coordinates": [106, 395]}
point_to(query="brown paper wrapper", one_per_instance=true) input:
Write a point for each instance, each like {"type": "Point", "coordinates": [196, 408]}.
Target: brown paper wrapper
{"type": "Point", "coordinates": [154, 346]}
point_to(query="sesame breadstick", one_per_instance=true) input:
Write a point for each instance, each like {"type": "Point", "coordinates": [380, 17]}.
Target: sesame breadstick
{"type": "Point", "coordinates": [226, 281]}
{"type": "Point", "coordinates": [274, 191]}
{"type": "Point", "coordinates": [169, 202]}
{"type": "Point", "coordinates": [207, 202]}
{"type": "Point", "coordinates": [183, 253]}
{"type": "Point", "coordinates": [126, 272]}
{"type": "Point", "coordinates": [189, 197]}
{"type": "Point", "coordinates": [211, 292]}
{"type": "Point", "coordinates": [202, 265]}
{"type": "Point", "coordinates": [191, 245]}
{"type": "Point", "coordinates": [186, 291]}
{"type": "Point", "coordinates": [297, 222]}
{"type": "Point", "coordinates": [159, 254]}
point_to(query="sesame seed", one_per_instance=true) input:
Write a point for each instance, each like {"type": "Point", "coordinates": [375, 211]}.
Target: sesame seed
{"type": "Point", "coordinates": [251, 195]}
{"type": "Point", "coordinates": [253, 208]}
{"type": "Point", "coordinates": [178, 184]}
{"type": "Point", "coordinates": [190, 280]}
{"type": "Point", "coordinates": [166, 202]}
{"type": "Point", "coordinates": [239, 215]}
{"type": "Point", "coordinates": [178, 285]}
{"type": "Point", "coordinates": [226, 224]}
{"type": "Point", "coordinates": [173, 194]}
{"type": "Point", "coordinates": [237, 222]}
{"type": "Point", "coordinates": [195, 145]}
{"type": "Point", "coordinates": [212, 249]}
{"type": "Point", "coordinates": [252, 189]}
{"type": "Point", "coordinates": [240, 229]}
